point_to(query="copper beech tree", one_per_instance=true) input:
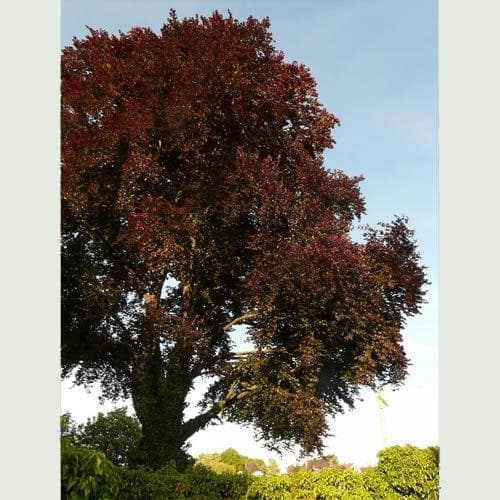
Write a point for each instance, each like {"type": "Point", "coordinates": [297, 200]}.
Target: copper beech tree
{"type": "Point", "coordinates": [194, 199]}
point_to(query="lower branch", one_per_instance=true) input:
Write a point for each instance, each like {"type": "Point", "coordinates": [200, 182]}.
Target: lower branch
{"type": "Point", "coordinates": [200, 421]}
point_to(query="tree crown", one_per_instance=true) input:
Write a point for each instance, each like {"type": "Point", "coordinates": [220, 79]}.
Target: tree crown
{"type": "Point", "coordinates": [194, 198]}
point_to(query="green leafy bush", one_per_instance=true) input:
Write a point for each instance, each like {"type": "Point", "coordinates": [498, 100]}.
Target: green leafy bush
{"type": "Point", "coordinates": [195, 483]}
{"type": "Point", "coordinates": [435, 451]}
{"type": "Point", "coordinates": [203, 484]}
{"type": "Point", "coordinates": [402, 472]}
{"type": "Point", "coordinates": [331, 483]}
{"type": "Point", "coordinates": [88, 474]}
{"type": "Point", "coordinates": [411, 471]}
{"type": "Point", "coordinates": [270, 488]}
{"type": "Point", "coordinates": [377, 486]}
{"type": "Point", "coordinates": [143, 484]}
{"type": "Point", "coordinates": [328, 484]}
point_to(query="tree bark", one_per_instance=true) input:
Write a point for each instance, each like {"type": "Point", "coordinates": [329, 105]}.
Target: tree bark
{"type": "Point", "coordinates": [159, 392]}
{"type": "Point", "coordinates": [159, 402]}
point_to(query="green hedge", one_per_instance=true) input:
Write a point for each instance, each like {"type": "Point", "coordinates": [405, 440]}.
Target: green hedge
{"type": "Point", "coordinates": [89, 475]}
{"type": "Point", "coordinates": [403, 472]}
{"type": "Point", "coordinates": [328, 484]}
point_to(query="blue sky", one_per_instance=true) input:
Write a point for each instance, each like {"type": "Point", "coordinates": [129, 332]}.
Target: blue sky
{"type": "Point", "coordinates": [375, 64]}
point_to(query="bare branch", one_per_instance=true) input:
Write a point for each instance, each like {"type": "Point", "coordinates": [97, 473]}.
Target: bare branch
{"type": "Point", "coordinates": [240, 319]}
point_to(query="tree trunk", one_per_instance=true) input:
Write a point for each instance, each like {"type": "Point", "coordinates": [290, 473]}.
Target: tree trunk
{"type": "Point", "coordinates": [159, 392]}
{"type": "Point", "coordinates": [159, 403]}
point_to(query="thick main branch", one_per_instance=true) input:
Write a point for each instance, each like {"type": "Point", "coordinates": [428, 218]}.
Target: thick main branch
{"type": "Point", "coordinates": [197, 423]}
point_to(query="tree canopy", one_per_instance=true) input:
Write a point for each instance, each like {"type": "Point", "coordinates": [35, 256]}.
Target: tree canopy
{"type": "Point", "coordinates": [194, 199]}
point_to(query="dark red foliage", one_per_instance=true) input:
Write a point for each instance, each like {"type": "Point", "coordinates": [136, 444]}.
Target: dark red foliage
{"type": "Point", "coordinates": [193, 158]}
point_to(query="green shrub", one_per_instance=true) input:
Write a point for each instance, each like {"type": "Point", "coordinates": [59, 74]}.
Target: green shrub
{"type": "Point", "coordinates": [270, 488]}
{"type": "Point", "coordinates": [413, 472]}
{"type": "Point", "coordinates": [435, 451]}
{"type": "Point", "coordinates": [144, 484]}
{"type": "Point", "coordinates": [328, 484]}
{"type": "Point", "coordinates": [377, 486]}
{"type": "Point", "coordinates": [203, 484]}
{"type": "Point", "coordinates": [402, 472]}
{"type": "Point", "coordinates": [88, 475]}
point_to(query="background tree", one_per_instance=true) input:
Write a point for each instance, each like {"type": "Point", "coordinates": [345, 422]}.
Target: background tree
{"type": "Point", "coordinates": [272, 468]}
{"type": "Point", "coordinates": [194, 198]}
{"type": "Point", "coordinates": [68, 429]}
{"type": "Point", "coordinates": [232, 461]}
{"type": "Point", "coordinates": [116, 434]}
{"type": "Point", "coordinates": [213, 462]}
